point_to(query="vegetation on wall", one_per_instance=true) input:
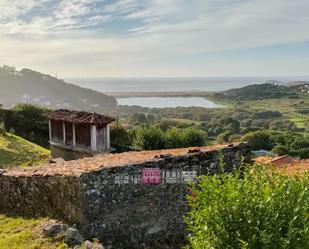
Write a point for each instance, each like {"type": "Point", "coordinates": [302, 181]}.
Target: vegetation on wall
{"type": "Point", "coordinates": [254, 210]}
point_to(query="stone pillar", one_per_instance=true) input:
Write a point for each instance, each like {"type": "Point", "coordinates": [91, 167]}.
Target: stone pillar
{"type": "Point", "coordinates": [74, 135]}
{"type": "Point", "coordinates": [93, 133]}
{"type": "Point", "coordinates": [50, 131]}
{"type": "Point", "coordinates": [63, 126]}
{"type": "Point", "coordinates": [108, 145]}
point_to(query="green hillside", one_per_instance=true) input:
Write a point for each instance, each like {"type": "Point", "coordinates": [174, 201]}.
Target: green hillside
{"type": "Point", "coordinates": [16, 151]}
{"type": "Point", "coordinates": [28, 86]}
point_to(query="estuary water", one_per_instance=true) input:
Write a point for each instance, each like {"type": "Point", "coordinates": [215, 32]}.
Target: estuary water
{"type": "Point", "coordinates": [161, 102]}
{"type": "Point", "coordinates": [155, 85]}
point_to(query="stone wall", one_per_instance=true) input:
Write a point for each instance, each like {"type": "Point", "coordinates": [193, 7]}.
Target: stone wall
{"type": "Point", "coordinates": [53, 196]}
{"type": "Point", "coordinates": [113, 203]}
{"type": "Point", "coordinates": [127, 214]}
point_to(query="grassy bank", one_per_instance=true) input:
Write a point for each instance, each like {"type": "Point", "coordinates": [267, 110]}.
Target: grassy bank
{"type": "Point", "coordinates": [16, 151]}
{"type": "Point", "coordinates": [21, 233]}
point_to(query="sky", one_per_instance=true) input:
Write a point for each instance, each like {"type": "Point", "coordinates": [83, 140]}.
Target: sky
{"type": "Point", "coordinates": [156, 38]}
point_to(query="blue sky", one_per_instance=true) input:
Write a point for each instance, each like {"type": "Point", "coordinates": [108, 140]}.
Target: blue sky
{"type": "Point", "coordinates": [162, 38]}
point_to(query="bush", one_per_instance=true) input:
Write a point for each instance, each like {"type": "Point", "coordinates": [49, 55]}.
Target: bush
{"type": "Point", "coordinates": [188, 137]}
{"type": "Point", "coordinates": [259, 140]}
{"type": "Point", "coordinates": [257, 210]}
{"type": "Point", "coordinates": [193, 137]}
{"type": "Point", "coordinates": [120, 138]}
{"type": "Point", "coordinates": [174, 138]}
{"type": "Point", "coordinates": [224, 137]}
{"type": "Point", "coordinates": [148, 138]}
{"type": "Point", "coordinates": [280, 150]}
{"type": "Point", "coordinates": [234, 138]}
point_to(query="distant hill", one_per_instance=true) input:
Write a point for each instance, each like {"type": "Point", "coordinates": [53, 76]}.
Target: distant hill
{"type": "Point", "coordinates": [28, 86]}
{"type": "Point", "coordinates": [258, 92]}
{"type": "Point", "coordinates": [16, 151]}
{"type": "Point", "coordinates": [296, 83]}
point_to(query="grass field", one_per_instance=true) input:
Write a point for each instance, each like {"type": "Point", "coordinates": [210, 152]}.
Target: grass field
{"type": "Point", "coordinates": [290, 108]}
{"type": "Point", "coordinates": [21, 233]}
{"type": "Point", "coordinates": [16, 151]}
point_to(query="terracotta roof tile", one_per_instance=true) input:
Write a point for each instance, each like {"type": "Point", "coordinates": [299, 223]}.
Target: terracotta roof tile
{"type": "Point", "coordinates": [77, 167]}
{"type": "Point", "coordinates": [80, 117]}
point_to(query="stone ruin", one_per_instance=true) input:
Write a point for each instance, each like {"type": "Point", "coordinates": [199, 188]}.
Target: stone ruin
{"type": "Point", "coordinates": [127, 200]}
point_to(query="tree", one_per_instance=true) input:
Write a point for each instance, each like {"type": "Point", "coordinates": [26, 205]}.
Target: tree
{"type": "Point", "coordinates": [29, 122]}
{"type": "Point", "coordinates": [139, 117]}
{"type": "Point", "coordinates": [259, 140]}
{"type": "Point", "coordinates": [300, 143]}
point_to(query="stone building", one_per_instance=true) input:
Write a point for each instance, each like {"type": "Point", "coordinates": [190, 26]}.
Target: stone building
{"type": "Point", "coordinates": [74, 134]}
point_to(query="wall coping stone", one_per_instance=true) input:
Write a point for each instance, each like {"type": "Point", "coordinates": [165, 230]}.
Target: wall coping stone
{"type": "Point", "coordinates": [105, 161]}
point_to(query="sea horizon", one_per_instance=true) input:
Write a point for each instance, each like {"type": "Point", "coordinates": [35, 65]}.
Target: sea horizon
{"type": "Point", "coordinates": [176, 84]}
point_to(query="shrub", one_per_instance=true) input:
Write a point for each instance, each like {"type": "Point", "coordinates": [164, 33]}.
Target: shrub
{"type": "Point", "coordinates": [224, 137]}
{"type": "Point", "coordinates": [174, 138]}
{"type": "Point", "coordinates": [193, 137]}
{"type": "Point", "coordinates": [280, 150]}
{"type": "Point", "coordinates": [234, 138]}
{"type": "Point", "coordinates": [148, 138]}
{"type": "Point", "coordinates": [120, 136]}
{"type": "Point", "coordinates": [259, 140]}
{"type": "Point", "coordinates": [188, 137]}
{"type": "Point", "coordinates": [257, 210]}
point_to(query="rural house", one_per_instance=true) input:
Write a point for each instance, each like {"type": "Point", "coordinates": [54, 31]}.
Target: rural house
{"type": "Point", "coordinates": [74, 134]}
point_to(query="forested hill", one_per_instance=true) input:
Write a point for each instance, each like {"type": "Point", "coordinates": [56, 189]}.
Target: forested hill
{"type": "Point", "coordinates": [258, 92]}
{"type": "Point", "coordinates": [36, 88]}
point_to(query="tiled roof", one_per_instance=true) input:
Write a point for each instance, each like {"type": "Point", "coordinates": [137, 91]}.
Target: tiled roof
{"type": "Point", "coordinates": [297, 167]}
{"type": "Point", "coordinates": [80, 117]}
{"type": "Point", "coordinates": [263, 160]}
{"type": "Point", "coordinates": [77, 167]}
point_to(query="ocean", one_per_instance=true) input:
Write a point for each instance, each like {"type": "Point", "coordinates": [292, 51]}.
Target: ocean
{"type": "Point", "coordinates": [133, 85]}
{"type": "Point", "coordinates": [174, 84]}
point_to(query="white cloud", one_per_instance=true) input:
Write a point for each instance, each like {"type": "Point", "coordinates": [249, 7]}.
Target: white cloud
{"type": "Point", "coordinates": [154, 32]}
{"type": "Point", "coordinates": [14, 9]}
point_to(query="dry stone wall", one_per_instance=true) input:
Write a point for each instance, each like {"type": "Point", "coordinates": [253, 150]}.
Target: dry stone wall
{"type": "Point", "coordinates": [35, 196]}
{"type": "Point", "coordinates": [125, 207]}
